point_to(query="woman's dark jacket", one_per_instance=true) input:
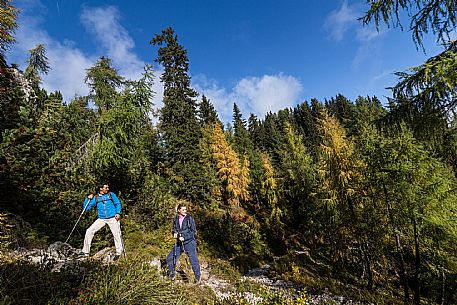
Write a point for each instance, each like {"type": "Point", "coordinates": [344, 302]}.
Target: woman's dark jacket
{"type": "Point", "coordinates": [188, 229]}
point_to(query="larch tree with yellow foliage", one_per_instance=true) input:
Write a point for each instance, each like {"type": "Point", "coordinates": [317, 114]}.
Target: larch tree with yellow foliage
{"type": "Point", "coordinates": [234, 178]}
{"type": "Point", "coordinates": [341, 175]}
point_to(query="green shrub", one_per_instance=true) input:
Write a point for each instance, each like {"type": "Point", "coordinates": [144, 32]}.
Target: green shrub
{"type": "Point", "coordinates": [24, 283]}
{"type": "Point", "coordinates": [135, 283]}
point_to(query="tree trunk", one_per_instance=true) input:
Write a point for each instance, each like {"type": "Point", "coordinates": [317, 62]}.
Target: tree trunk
{"type": "Point", "coordinates": [443, 287]}
{"type": "Point", "coordinates": [363, 247]}
{"type": "Point", "coordinates": [403, 275]}
{"type": "Point", "coordinates": [417, 263]}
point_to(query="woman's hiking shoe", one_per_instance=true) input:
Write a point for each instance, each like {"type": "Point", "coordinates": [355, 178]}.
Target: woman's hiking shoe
{"type": "Point", "coordinates": [82, 255]}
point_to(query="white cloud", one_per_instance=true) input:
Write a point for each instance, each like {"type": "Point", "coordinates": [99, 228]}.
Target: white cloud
{"type": "Point", "coordinates": [67, 63]}
{"type": "Point", "coordinates": [368, 33]}
{"type": "Point", "coordinates": [338, 22]}
{"type": "Point", "coordinates": [104, 24]}
{"type": "Point", "coordinates": [257, 95]}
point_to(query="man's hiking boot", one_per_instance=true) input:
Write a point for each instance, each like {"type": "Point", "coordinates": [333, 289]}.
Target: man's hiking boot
{"type": "Point", "coordinates": [82, 255]}
{"type": "Point", "coordinates": [197, 281]}
{"type": "Point", "coordinates": [172, 276]}
{"type": "Point", "coordinates": [116, 257]}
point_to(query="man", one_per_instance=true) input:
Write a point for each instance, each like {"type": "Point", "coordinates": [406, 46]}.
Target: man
{"type": "Point", "coordinates": [109, 209]}
{"type": "Point", "coordinates": [184, 231]}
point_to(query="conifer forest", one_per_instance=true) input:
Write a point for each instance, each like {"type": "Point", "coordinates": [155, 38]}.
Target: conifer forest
{"type": "Point", "coordinates": [357, 197]}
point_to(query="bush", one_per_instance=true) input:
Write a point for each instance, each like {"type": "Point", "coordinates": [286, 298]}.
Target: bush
{"type": "Point", "coordinates": [154, 205]}
{"type": "Point", "coordinates": [134, 283]}
{"type": "Point", "coordinates": [24, 283]}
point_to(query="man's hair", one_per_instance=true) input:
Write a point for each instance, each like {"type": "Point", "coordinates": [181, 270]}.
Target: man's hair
{"type": "Point", "coordinates": [101, 185]}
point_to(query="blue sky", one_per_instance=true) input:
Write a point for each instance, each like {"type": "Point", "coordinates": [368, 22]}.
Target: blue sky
{"type": "Point", "coordinates": [264, 55]}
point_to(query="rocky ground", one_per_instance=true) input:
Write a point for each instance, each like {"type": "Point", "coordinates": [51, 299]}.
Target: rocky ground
{"type": "Point", "coordinates": [59, 255]}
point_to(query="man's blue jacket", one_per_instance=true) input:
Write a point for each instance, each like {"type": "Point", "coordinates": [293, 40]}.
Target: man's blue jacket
{"type": "Point", "coordinates": [108, 205]}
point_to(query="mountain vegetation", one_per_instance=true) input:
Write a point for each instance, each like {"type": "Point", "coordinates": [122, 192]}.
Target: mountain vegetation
{"type": "Point", "coordinates": [354, 196]}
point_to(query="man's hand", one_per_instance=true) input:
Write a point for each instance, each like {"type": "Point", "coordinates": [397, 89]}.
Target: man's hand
{"type": "Point", "coordinates": [181, 238]}
{"type": "Point", "coordinates": [175, 235]}
{"type": "Point", "coordinates": [117, 216]}
{"type": "Point", "coordinates": [90, 196]}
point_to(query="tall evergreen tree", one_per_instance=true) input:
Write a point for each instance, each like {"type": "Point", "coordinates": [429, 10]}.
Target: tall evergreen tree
{"type": "Point", "coordinates": [344, 110]}
{"type": "Point", "coordinates": [254, 130]}
{"type": "Point", "coordinates": [206, 113]}
{"type": "Point", "coordinates": [37, 64]}
{"type": "Point", "coordinates": [297, 172]}
{"type": "Point", "coordinates": [242, 143]}
{"type": "Point", "coordinates": [178, 121]}
{"type": "Point", "coordinates": [8, 25]}
{"type": "Point", "coordinates": [104, 83]}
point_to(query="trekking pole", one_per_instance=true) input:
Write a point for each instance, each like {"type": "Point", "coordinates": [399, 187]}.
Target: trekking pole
{"type": "Point", "coordinates": [79, 218]}
{"type": "Point", "coordinates": [122, 241]}
{"type": "Point", "coordinates": [174, 255]}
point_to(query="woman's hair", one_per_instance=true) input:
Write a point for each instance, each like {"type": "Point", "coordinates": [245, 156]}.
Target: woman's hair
{"type": "Point", "coordinates": [179, 206]}
{"type": "Point", "coordinates": [181, 203]}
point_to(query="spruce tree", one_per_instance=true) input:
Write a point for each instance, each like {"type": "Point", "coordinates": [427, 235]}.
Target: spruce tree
{"type": "Point", "coordinates": [178, 122]}
{"type": "Point", "coordinates": [242, 143]}
{"type": "Point", "coordinates": [206, 113]}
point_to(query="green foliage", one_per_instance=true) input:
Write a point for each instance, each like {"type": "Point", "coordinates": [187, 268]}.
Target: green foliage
{"type": "Point", "coordinates": [25, 283]}
{"type": "Point", "coordinates": [37, 64]}
{"type": "Point", "coordinates": [134, 283]}
{"type": "Point", "coordinates": [364, 194]}
{"type": "Point", "coordinates": [89, 283]}
{"type": "Point", "coordinates": [431, 85]}
{"type": "Point", "coordinates": [103, 81]}
{"type": "Point", "coordinates": [206, 113]}
{"type": "Point", "coordinates": [439, 16]}
{"type": "Point", "coordinates": [233, 234]}
{"type": "Point", "coordinates": [153, 206]}
{"type": "Point", "coordinates": [178, 121]}
{"type": "Point", "coordinates": [8, 25]}
{"type": "Point", "coordinates": [242, 142]}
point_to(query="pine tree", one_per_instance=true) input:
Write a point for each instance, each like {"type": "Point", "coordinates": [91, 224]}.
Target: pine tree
{"type": "Point", "coordinates": [297, 172]}
{"type": "Point", "coordinates": [439, 16]}
{"type": "Point", "coordinates": [8, 25]}
{"type": "Point", "coordinates": [207, 114]}
{"type": "Point", "coordinates": [254, 130]}
{"type": "Point", "coordinates": [178, 121]}
{"type": "Point", "coordinates": [344, 110]}
{"type": "Point", "coordinates": [214, 187]}
{"type": "Point", "coordinates": [242, 141]}
{"type": "Point", "coordinates": [123, 109]}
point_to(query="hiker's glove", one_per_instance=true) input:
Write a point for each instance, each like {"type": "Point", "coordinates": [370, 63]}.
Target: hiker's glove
{"type": "Point", "coordinates": [181, 238]}
{"type": "Point", "coordinates": [175, 235]}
